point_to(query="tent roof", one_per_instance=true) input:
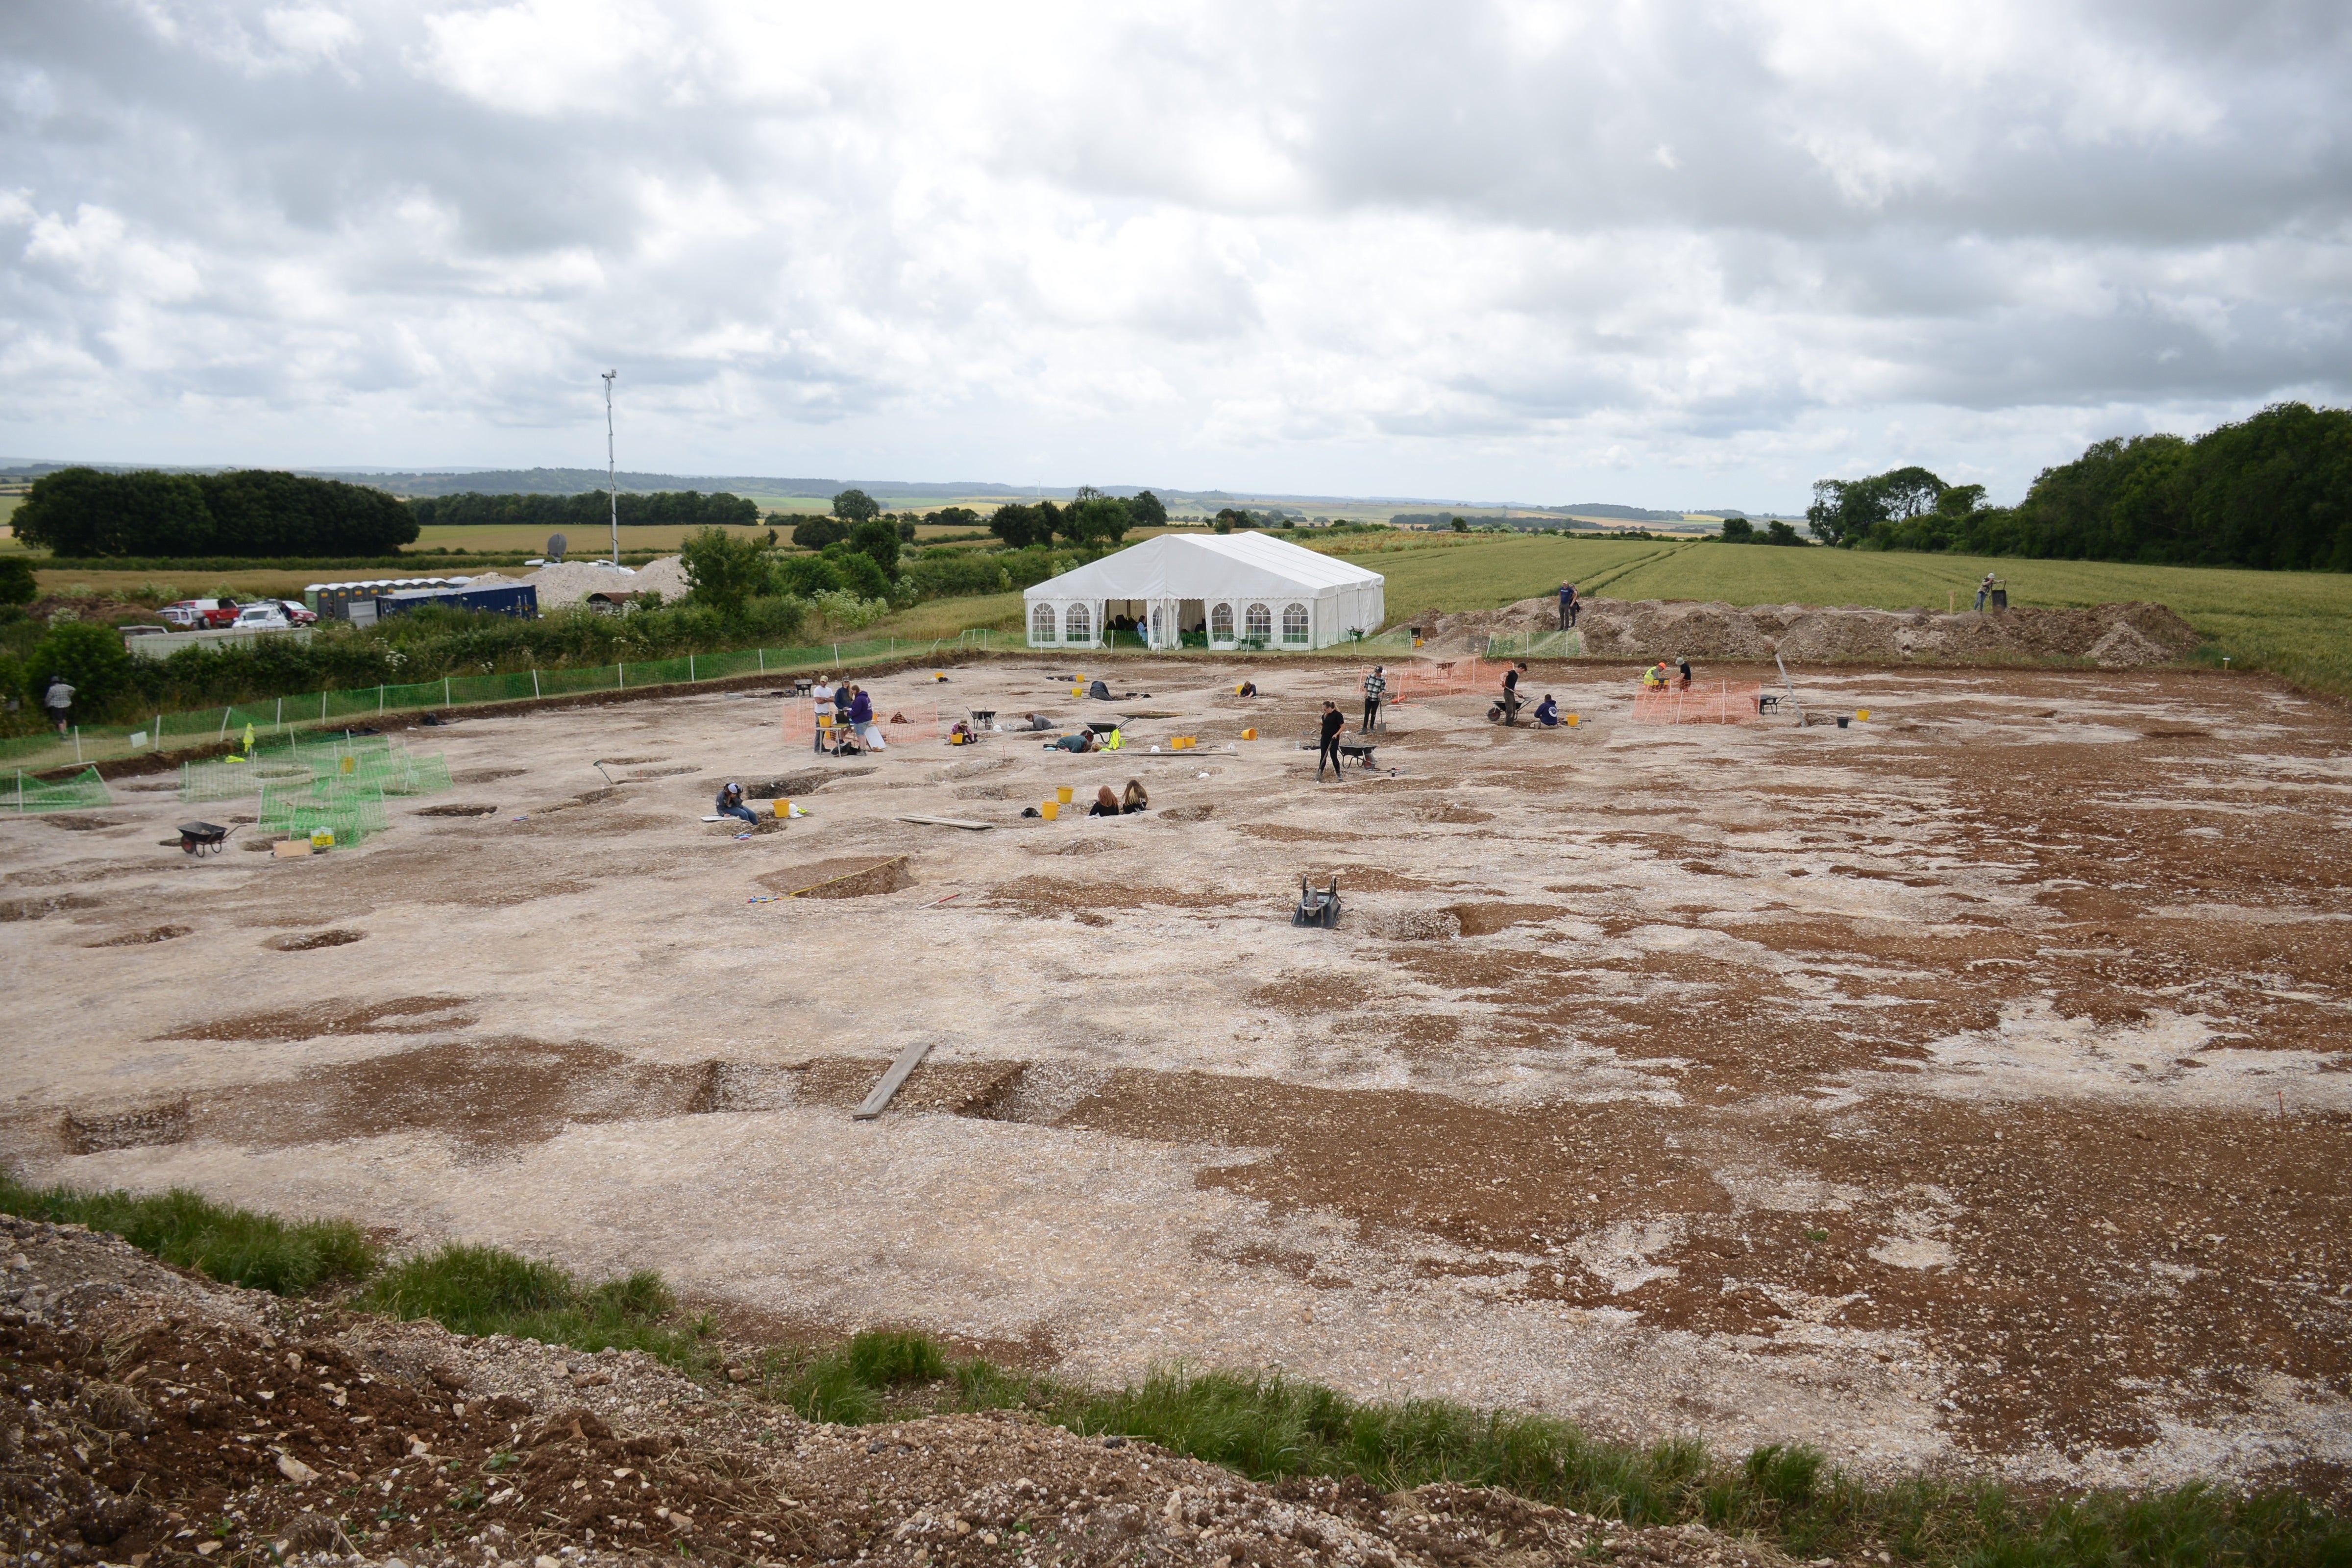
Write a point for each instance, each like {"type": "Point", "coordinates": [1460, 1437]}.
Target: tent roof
{"type": "Point", "coordinates": [1205, 566]}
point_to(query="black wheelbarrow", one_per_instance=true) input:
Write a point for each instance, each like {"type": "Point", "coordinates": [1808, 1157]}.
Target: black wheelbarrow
{"type": "Point", "coordinates": [1316, 906]}
{"type": "Point", "coordinates": [202, 837]}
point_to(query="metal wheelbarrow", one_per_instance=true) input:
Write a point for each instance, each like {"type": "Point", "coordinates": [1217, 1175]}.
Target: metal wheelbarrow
{"type": "Point", "coordinates": [200, 837]}
{"type": "Point", "coordinates": [1317, 906]}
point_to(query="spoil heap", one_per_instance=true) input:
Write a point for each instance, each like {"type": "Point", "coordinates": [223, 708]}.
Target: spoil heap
{"type": "Point", "coordinates": [150, 1417]}
{"type": "Point", "coordinates": [2111, 635]}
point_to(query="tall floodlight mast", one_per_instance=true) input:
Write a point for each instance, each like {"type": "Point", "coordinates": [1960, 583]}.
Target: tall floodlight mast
{"type": "Point", "coordinates": [611, 474]}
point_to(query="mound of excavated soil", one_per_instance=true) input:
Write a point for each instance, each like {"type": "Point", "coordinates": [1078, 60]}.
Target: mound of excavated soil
{"type": "Point", "coordinates": [570, 582]}
{"type": "Point", "coordinates": [149, 1416]}
{"type": "Point", "coordinates": [2112, 636]}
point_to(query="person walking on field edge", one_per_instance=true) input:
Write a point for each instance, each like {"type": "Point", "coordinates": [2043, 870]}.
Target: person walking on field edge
{"type": "Point", "coordinates": [1376, 687]}
{"type": "Point", "coordinates": [1332, 724]}
{"type": "Point", "coordinates": [58, 701]}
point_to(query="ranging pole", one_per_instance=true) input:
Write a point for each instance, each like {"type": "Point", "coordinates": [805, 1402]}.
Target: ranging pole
{"type": "Point", "coordinates": [611, 474]}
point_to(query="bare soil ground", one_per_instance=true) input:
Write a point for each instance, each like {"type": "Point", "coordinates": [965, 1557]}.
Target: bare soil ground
{"type": "Point", "coordinates": [1964, 1087]}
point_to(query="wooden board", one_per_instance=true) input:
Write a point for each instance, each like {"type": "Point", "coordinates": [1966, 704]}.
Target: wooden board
{"type": "Point", "coordinates": [968, 825]}
{"type": "Point", "coordinates": [879, 1100]}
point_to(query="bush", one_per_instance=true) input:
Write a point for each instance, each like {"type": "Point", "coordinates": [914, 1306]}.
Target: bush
{"type": "Point", "coordinates": [724, 569]}
{"type": "Point", "coordinates": [17, 585]}
{"type": "Point", "coordinates": [805, 576]}
{"type": "Point", "coordinates": [90, 657]}
{"type": "Point", "coordinates": [236, 1246]}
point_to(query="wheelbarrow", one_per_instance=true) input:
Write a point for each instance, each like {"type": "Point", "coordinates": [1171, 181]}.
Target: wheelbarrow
{"type": "Point", "coordinates": [200, 837]}
{"type": "Point", "coordinates": [1316, 906]}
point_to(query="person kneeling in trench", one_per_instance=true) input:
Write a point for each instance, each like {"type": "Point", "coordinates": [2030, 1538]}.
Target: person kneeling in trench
{"type": "Point", "coordinates": [730, 803]}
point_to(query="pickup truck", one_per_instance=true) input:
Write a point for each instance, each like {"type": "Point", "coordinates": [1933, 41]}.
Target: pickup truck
{"type": "Point", "coordinates": [197, 615]}
{"type": "Point", "coordinates": [267, 617]}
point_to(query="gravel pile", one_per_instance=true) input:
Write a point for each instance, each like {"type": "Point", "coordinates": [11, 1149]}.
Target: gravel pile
{"type": "Point", "coordinates": [570, 582]}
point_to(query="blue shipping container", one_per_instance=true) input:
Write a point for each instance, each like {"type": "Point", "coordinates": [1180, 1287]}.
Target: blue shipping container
{"type": "Point", "coordinates": [518, 599]}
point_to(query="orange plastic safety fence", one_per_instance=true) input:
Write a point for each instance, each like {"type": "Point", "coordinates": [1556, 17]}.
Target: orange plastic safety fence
{"type": "Point", "coordinates": [1450, 677]}
{"type": "Point", "coordinates": [1714, 702]}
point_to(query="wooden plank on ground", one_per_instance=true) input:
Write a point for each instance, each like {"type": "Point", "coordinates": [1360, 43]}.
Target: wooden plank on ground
{"type": "Point", "coordinates": [879, 1100]}
{"type": "Point", "coordinates": [964, 823]}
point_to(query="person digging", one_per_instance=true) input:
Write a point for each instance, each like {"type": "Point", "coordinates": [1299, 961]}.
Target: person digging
{"type": "Point", "coordinates": [1332, 724]}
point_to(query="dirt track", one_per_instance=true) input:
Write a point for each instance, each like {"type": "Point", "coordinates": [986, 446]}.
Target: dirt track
{"type": "Point", "coordinates": [1968, 1084]}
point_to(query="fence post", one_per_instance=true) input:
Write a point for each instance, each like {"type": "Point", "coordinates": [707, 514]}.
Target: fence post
{"type": "Point", "coordinates": [689, 667]}
{"type": "Point", "coordinates": [159, 731]}
{"type": "Point", "coordinates": [281, 715]}
{"type": "Point", "coordinates": [77, 743]}
{"type": "Point", "coordinates": [224, 735]}
{"type": "Point", "coordinates": [534, 681]}
{"type": "Point", "coordinates": [444, 692]}
{"type": "Point", "coordinates": [836, 655]}
{"type": "Point", "coordinates": [379, 699]}
{"type": "Point", "coordinates": [764, 659]}
{"type": "Point", "coordinates": [322, 708]}
{"type": "Point", "coordinates": [621, 671]}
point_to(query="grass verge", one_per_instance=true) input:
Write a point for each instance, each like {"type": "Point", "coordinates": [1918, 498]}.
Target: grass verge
{"type": "Point", "coordinates": [1263, 1426]}
{"type": "Point", "coordinates": [235, 1245]}
{"type": "Point", "coordinates": [487, 1290]}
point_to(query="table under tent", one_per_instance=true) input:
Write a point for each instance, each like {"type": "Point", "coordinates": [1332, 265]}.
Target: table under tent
{"type": "Point", "coordinates": [1216, 591]}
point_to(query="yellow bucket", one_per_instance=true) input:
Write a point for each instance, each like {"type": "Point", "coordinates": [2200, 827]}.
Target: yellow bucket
{"type": "Point", "coordinates": [1052, 809]}
{"type": "Point", "coordinates": [1180, 742]}
{"type": "Point", "coordinates": [1077, 692]}
{"type": "Point", "coordinates": [784, 809]}
{"type": "Point", "coordinates": [1249, 734]}
{"type": "Point", "coordinates": [1865, 713]}
{"type": "Point", "coordinates": [1061, 795]}
{"type": "Point", "coordinates": [1573, 720]}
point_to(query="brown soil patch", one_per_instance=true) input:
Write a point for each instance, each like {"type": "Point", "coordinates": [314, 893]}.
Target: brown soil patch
{"type": "Point", "coordinates": [1051, 896]}
{"type": "Point", "coordinates": [166, 1122]}
{"type": "Point", "coordinates": [38, 909]}
{"type": "Point", "coordinates": [486, 775]}
{"type": "Point", "coordinates": [310, 941]}
{"type": "Point", "coordinates": [791, 785]}
{"type": "Point", "coordinates": [401, 1016]}
{"type": "Point", "coordinates": [1484, 919]}
{"type": "Point", "coordinates": [1283, 833]}
{"type": "Point", "coordinates": [458, 811]}
{"type": "Point", "coordinates": [858, 877]}
{"type": "Point", "coordinates": [141, 938]}
{"type": "Point", "coordinates": [72, 823]}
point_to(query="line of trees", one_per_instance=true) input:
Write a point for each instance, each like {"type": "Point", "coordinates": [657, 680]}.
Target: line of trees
{"type": "Point", "coordinates": [588, 509]}
{"type": "Point", "coordinates": [84, 512]}
{"type": "Point", "coordinates": [2272, 491]}
{"type": "Point", "coordinates": [1092, 517]}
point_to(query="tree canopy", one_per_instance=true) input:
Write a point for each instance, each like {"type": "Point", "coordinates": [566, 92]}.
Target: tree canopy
{"type": "Point", "coordinates": [249, 512]}
{"type": "Point", "coordinates": [856, 506]}
{"type": "Point", "coordinates": [2273, 490]}
{"type": "Point", "coordinates": [588, 509]}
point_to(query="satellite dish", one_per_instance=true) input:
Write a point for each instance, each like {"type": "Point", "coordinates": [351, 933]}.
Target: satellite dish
{"type": "Point", "coordinates": [556, 546]}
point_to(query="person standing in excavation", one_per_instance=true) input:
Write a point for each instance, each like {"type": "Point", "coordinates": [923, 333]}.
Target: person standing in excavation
{"type": "Point", "coordinates": [1567, 605]}
{"type": "Point", "coordinates": [1511, 692]}
{"type": "Point", "coordinates": [1332, 724]}
{"type": "Point", "coordinates": [1376, 687]}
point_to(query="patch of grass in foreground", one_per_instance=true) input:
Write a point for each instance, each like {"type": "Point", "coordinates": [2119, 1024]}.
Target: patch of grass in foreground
{"type": "Point", "coordinates": [489, 1290]}
{"type": "Point", "coordinates": [1268, 1426]}
{"type": "Point", "coordinates": [1263, 1426]}
{"type": "Point", "coordinates": [235, 1245]}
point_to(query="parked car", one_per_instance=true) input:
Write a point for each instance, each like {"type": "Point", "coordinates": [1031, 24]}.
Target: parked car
{"type": "Point", "coordinates": [298, 613]}
{"type": "Point", "coordinates": [269, 617]}
{"type": "Point", "coordinates": [195, 614]}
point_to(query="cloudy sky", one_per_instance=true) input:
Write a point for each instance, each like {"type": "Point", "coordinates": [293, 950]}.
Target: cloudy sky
{"type": "Point", "coordinates": [1676, 254]}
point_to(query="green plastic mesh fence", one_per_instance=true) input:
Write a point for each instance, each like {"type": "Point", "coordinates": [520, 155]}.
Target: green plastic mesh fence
{"type": "Point", "coordinates": [351, 812]}
{"type": "Point", "coordinates": [397, 771]}
{"type": "Point", "coordinates": [83, 792]}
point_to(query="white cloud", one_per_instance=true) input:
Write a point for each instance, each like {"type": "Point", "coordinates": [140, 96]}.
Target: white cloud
{"type": "Point", "coordinates": [1513, 249]}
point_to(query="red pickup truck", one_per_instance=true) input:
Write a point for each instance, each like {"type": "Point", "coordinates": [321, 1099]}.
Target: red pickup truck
{"type": "Point", "coordinates": [197, 615]}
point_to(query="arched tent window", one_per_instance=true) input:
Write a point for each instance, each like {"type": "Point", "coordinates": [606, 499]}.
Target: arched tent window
{"type": "Point", "coordinates": [1077, 626]}
{"type": "Point", "coordinates": [1294, 623]}
{"type": "Point", "coordinates": [1159, 626]}
{"type": "Point", "coordinates": [1258, 620]}
{"type": "Point", "coordinates": [1221, 622]}
{"type": "Point", "coordinates": [1041, 624]}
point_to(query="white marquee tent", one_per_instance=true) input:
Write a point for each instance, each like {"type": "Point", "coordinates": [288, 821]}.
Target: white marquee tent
{"type": "Point", "coordinates": [1235, 589]}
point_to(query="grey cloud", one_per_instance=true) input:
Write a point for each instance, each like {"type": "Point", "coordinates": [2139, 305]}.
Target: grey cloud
{"type": "Point", "coordinates": [1704, 234]}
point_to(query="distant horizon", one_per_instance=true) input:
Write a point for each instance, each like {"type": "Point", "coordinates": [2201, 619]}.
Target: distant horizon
{"type": "Point", "coordinates": [12, 469]}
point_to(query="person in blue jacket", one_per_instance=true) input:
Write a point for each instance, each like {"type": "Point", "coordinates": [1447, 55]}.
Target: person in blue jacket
{"type": "Point", "coordinates": [1548, 712]}
{"type": "Point", "coordinates": [730, 803]}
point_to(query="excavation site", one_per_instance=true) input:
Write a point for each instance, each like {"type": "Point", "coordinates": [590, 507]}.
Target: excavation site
{"type": "Point", "coordinates": [1942, 1068]}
